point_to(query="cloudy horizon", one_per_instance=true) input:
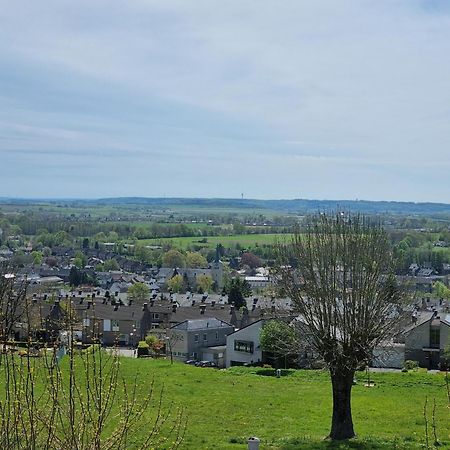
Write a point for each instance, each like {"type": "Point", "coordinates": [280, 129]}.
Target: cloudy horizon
{"type": "Point", "coordinates": [299, 99]}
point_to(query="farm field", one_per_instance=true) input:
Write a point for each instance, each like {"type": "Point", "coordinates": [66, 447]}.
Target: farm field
{"type": "Point", "coordinates": [245, 240]}
{"type": "Point", "coordinates": [225, 407]}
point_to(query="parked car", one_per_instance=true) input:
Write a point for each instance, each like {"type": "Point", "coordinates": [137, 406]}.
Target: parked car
{"type": "Point", "coordinates": [206, 364]}
{"type": "Point", "coordinates": [192, 362]}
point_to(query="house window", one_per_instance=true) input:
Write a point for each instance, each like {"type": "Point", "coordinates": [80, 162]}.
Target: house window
{"type": "Point", "coordinates": [435, 337]}
{"type": "Point", "coordinates": [115, 325]}
{"type": "Point", "coordinates": [196, 338]}
{"type": "Point", "coordinates": [243, 346]}
{"type": "Point", "coordinates": [106, 325]}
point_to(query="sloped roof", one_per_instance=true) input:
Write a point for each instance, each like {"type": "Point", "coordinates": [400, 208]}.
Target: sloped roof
{"type": "Point", "coordinates": [201, 324]}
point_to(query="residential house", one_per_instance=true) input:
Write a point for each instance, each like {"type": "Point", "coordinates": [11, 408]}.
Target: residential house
{"type": "Point", "coordinates": [243, 345]}
{"type": "Point", "coordinates": [426, 338]}
{"type": "Point", "coordinates": [199, 339]}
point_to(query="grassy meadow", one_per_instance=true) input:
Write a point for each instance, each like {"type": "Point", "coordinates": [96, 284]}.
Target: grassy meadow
{"type": "Point", "coordinates": [245, 240]}
{"type": "Point", "coordinates": [225, 407]}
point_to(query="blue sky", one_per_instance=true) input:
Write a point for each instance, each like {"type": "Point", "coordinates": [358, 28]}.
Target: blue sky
{"type": "Point", "coordinates": [201, 98]}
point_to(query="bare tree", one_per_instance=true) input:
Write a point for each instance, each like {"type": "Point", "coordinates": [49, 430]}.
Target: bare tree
{"type": "Point", "coordinates": [12, 301]}
{"type": "Point", "coordinates": [338, 273]}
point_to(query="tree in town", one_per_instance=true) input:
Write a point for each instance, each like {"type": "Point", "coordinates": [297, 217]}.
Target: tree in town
{"type": "Point", "coordinates": [80, 260]}
{"type": "Point", "coordinates": [139, 292]}
{"type": "Point", "coordinates": [195, 260]}
{"type": "Point", "coordinates": [154, 343]}
{"type": "Point", "coordinates": [110, 264]}
{"type": "Point", "coordinates": [251, 260]}
{"type": "Point", "coordinates": [344, 290]}
{"type": "Point", "coordinates": [173, 258]}
{"type": "Point", "coordinates": [204, 283]}
{"type": "Point", "coordinates": [37, 257]}
{"type": "Point", "coordinates": [238, 289]}
{"type": "Point", "coordinates": [441, 290]}
{"type": "Point", "coordinates": [279, 338]}
{"type": "Point", "coordinates": [175, 284]}
{"type": "Point", "coordinates": [75, 277]}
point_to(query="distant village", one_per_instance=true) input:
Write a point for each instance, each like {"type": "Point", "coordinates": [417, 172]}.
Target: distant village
{"type": "Point", "coordinates": [201, 326]}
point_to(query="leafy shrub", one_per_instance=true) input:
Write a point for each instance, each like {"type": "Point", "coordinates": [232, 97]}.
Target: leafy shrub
{"type": "Point", "coordinates": [143, 344]}
{"type": "Point", "coordinates": [143, 349]}
{"type": "Point", "coordinates": [411, 365]}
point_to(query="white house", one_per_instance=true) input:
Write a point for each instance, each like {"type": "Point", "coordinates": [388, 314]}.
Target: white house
{"type": "Point", "coordinates": [243, 345]}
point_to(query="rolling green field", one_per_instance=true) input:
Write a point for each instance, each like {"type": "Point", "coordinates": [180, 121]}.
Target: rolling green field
{"type": "Point", "coordinates": [225, 407]}
{"type": "Point", "coordinates": [245, 240]}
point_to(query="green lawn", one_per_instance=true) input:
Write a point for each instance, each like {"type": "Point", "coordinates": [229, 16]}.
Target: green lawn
{"type": "Point", "coordinates": [245, 240]}
{"type": "Point", "coordinates": [225, 407]}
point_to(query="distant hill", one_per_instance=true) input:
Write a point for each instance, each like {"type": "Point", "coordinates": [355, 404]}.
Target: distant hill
{"type": "Point", "coordinates": [298, 206]}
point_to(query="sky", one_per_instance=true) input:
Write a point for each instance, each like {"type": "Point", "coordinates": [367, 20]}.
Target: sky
{"type": "Point", "coordinates": [319, 99]}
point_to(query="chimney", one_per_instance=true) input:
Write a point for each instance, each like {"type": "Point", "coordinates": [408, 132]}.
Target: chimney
{"type": "Point", "coordinates": [89, 303]}
{"type": "Point", "coordinates": [93, 295]}
{"type": "Point", "coordinates": [213, 303]}
{"type": "Point", "coordinates": [81, 300]}
{"type": "Point", "coordinates": [130, 302]}
{"type": "Point", "coordinates": [152, 302]}
{"type": "Point", "coordinates": [202, 309]}
{"type": "Point", "coordinates": [116, 293]}
{"type": "Point", "coordinates": [80, 292]}
{"type": "Point", "coordinates": [174, 307]}
{"type": "Point", "coordinates": [116, 307]}
{"type": "Point", "coordinates": [193, 302]}
{"type": "Point", "coordinates": [144, 307]}
{"type": "Point", "coordinates": [104, 300]}
{"type": "Point", "coordinates": [255, 300]}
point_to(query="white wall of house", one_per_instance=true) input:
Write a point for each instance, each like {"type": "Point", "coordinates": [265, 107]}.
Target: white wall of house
{"type": "Point", "coordinates": [238, 339]}
{"type": "Point", "coordinates": [389, 356]}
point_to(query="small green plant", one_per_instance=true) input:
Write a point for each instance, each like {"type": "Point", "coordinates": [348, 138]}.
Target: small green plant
{"type": "Point", "coordinates": [143, 349]}
{"type": "Point", "coordinates": [410, 365]}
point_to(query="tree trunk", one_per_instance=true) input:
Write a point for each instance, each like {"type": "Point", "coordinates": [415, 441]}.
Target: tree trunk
{"type": "Point", "coordinates": [342, 423]}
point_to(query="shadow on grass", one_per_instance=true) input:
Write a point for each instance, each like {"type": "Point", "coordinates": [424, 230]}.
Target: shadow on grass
{"type": "Point", "coordinates": [273, 373]}
{"type": "Point", "coordinates": [354, 444]}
